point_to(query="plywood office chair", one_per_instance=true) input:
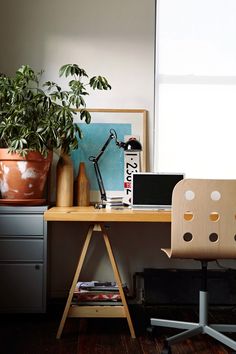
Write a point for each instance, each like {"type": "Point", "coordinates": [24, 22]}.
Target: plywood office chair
{"type": "Point", "coordinates": [203, 228]}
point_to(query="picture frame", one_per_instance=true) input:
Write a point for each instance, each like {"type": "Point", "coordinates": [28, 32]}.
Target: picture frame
{"type": "Point", "coordinates": [127, 123]}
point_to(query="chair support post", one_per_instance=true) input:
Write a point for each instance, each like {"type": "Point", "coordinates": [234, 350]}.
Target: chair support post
{"type": "Point", "coordinates": [204, 275]}
{"type": "Point", "coordinates": [203, 296]}
{"type": "Point", "coordinates": [203, 308]}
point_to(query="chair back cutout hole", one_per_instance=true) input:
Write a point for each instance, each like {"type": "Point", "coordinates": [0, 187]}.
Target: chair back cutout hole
{"type": "Point", "coordinates": [189, 195]}
{"type": "Point", "coordinates": [215, 195]}
{"type": "Point", "coordinates": [188, 216]}
{"type": "Point", "coordinates": [213, 237]}
{"type": "Point", "coordinates": [214, 216]}
{"type": "Point", "coordinates": [187, 237]}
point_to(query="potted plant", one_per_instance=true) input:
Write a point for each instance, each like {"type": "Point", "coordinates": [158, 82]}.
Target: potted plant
{"type": "Point", "coordinates": [36, 119]}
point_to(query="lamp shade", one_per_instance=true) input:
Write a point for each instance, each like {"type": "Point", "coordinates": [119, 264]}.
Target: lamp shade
{"type": "Point", "coordinates": [132, 145]}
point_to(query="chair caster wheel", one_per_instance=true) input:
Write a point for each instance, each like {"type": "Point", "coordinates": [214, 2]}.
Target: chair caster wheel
{"type": "Point", "coordinates": [166, 349]}
{"type": "Point", "coordinates": [150, 331]}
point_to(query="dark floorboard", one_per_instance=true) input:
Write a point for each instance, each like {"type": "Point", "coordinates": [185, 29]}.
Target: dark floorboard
{"type": "Point", "coordinates": [35, 334]}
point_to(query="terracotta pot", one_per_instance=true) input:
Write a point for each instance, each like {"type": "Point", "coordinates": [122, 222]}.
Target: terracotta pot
{"type": "Point", "coordinates": [23, 177]}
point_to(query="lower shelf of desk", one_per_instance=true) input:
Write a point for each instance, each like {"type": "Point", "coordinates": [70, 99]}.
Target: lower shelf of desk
{"type": "Point", "coordinates": [104, 311]}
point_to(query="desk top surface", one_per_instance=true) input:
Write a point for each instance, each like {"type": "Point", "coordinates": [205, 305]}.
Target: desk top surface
{"type": "Point", "coordinates": [105, 215]}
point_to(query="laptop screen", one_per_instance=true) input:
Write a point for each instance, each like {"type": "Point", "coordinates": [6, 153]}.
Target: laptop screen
{"type": "Point", "coordinates": [153, 190]}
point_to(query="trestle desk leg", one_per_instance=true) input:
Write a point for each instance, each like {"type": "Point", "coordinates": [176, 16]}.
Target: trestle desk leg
{"type": "Point", "coordinates": [118, 279]}
{"type": "Point", "coordinates": [75, 280]}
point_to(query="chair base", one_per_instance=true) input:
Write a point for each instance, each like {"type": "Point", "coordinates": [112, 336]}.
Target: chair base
{"type": "Point", "coordinates": [192, 328]}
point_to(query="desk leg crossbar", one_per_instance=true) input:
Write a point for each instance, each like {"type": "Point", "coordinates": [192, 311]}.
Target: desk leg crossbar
{"type": "Point", "coordinates": [72, 310]}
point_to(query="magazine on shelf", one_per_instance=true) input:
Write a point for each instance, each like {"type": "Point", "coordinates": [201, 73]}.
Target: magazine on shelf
{"type": "Point", "coordinates": [95, 286]}
{"type": "Point", "coordinates": [96, 291]}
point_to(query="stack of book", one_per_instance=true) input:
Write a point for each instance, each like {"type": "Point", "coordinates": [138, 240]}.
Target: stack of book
{"type": "Point", "coordinates": [96, 292]}
{"type": "Point", "coordinates": [114, 202]}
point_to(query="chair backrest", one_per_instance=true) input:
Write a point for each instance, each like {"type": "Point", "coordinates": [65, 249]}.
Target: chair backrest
{"type": "Point", "coordinates": [204, 219]}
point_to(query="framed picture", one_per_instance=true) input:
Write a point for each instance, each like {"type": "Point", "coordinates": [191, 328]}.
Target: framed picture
{"type": "Point", "coordinates": [126, 123]}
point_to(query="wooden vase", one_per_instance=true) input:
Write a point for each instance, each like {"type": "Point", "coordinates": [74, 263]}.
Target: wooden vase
{"type": "Point", "coordinates": [83, 187]}
{"type": "Point", "coordinates": [64, 181]}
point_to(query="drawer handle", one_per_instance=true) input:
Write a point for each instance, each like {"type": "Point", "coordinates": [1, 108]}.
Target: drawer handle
{"type": "Point", "coordinates": [37, 267]}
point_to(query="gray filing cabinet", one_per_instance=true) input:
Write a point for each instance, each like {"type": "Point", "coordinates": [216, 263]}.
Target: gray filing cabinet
{"type": "Point", "coordinates": [23, 259]}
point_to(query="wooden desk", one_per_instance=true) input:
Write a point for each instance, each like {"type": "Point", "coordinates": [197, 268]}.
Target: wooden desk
{"type": "Point", "coordinates": [98, 217]}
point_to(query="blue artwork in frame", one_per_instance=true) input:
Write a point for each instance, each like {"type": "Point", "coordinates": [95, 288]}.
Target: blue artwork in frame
{"type": "Point", "coordinates": [111, 164]}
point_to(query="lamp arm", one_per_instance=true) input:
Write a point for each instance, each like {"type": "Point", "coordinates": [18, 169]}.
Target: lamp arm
{"type": "Point", "coordinates": [95, 160]}
{"type": "Point", "coordinates": [100, 182]}
{"type": "Point", "coordinates": [111, 136]}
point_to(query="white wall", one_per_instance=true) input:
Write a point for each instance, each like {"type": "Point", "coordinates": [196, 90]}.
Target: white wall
{"type": "Point", "coordinates": [108, 37]}
{"type": "Point", "coordinates": [115, 39]}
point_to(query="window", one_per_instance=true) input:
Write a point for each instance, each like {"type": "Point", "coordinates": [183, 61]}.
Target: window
{"type": "Point", "coordinates": [195, 125]}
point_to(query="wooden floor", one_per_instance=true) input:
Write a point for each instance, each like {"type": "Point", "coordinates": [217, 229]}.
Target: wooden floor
{"type": "Point", "coordinates": [35, 334]}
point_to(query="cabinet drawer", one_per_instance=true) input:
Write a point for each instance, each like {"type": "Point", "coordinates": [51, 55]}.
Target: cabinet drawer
{"type": "Point", "coordinates": [21, 250]}
{"type": "Point", "coordinates": [22, 288]}
{"type": "Point", "coordinates": [21, 225]}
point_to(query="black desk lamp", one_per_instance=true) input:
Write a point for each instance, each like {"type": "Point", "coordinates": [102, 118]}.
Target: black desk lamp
{"type": "Point", "coordinates": [131, 145]}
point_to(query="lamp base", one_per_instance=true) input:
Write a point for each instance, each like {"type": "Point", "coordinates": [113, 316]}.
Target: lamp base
{"type": "Point", "coordinates": [99, 205]}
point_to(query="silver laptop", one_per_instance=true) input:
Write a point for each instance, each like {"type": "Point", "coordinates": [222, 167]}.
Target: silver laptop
{"type": "Point", "coordinates": [153, 190]}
